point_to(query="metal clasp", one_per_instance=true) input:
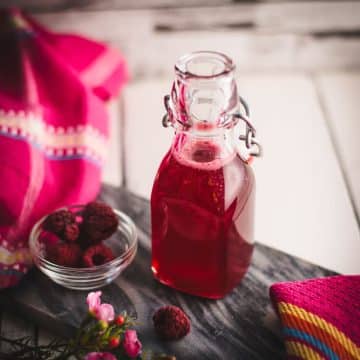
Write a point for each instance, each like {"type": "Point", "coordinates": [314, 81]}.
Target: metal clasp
{"type": "Point", "coordinates": [251, 143]}
{"type": "Point", "coordinates": [166, 121]}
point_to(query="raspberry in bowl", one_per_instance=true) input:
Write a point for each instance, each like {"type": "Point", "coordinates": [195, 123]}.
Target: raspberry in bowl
{"type": "Point", "coordinates": [83, 247]}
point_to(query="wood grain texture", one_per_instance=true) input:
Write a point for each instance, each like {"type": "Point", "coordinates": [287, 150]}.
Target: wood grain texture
{"type": "Point", "coordinates": [302, 207]}
{"type": "Point", "coordinates": [45, 336]}
{"type": "Point", "coordinates": [243, 325]}
{"type": "Point", "coordinates": [15, 327]}
{"type": "Point", "coordinates": [339, 93]}
{"type": "Point", "coordinates": [259, 36]}
{"type": "Point", "coordinates": [61, 5]}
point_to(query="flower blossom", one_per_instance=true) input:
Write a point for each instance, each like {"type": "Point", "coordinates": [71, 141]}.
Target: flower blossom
{"type": "Point", "coordinates": [131, 343]}
{"type": "Point", "coordinates": [103, 312]}
{"type": "Point", "coordinates": [100, 356]}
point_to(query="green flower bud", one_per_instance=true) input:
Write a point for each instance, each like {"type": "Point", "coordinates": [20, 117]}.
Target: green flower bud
{"type": "Point", "coordinates": [103, 324]}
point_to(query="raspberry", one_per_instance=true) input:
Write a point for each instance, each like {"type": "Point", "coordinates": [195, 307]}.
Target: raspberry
{"type": "Point", "coordinates": [48, 238]}
{"type": "Point", "coordinates": [97, 255]}
{"type": "Point", "coordinates": [71, 232]}
{"type": "Point", "coordinates": [99, 223]}
{"type": "Point", "coordinates": [65, 254]}
{"type": "Point", "coordinates": [171, 323]}
{"type": "Point", "coordinates": [57, 221]}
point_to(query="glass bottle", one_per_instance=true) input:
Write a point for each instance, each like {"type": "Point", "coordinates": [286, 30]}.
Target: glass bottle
{"type": "Point", "coordinates": [202, 201]}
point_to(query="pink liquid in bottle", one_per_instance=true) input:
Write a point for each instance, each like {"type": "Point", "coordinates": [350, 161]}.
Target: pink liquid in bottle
{"type": "Point", "coordinates": [202, 202]}
{"type": "Point", "coordinates": [202, 221]}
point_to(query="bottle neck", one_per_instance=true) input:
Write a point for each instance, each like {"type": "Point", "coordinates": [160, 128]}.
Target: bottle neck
{"type": "Point", "coordinates": [204, 92]}
{"type": "Point", "coordinates": [198, 149]}
{"type": "Point", "coordinates": [201, 106]}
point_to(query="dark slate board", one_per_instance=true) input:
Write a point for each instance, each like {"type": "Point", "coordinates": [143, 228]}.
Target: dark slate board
{"type": "Point", "coordinates": [241, 326]}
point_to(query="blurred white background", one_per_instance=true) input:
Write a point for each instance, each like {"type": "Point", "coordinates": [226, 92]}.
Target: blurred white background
{"type": "Point", "coordinates": [299, 68]}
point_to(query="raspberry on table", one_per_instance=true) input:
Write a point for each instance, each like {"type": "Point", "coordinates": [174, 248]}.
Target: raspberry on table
{"type": "Point", "coordinates": [171, 323]}
{"type": "Point", "coordinates": [97, 255]}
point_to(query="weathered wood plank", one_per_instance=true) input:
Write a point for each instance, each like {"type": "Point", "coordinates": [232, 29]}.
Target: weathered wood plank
{"type": "Point", "coordinates": [339, 93]}
{"type": "Point", "coordinates": [220, 329]}
{"type": "Point", "coordinates": [45, 336]}
{"type": "Point", "coordinates": [281, 17]}
{"type": "Point", "coordinates": [60, 5]}
{"type": "Point", "coordinates": [15, 327]}
{"type": "Point", "coordinates": [258, 36]}
{"type": "Point", "coordinates": [303, 207]}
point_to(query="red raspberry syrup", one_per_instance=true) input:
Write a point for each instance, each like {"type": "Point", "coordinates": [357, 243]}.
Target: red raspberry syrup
{"type": "Point", "coordinates": [202, 206]}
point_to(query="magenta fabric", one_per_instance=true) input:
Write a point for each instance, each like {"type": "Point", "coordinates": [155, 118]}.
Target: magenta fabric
{"type": "Point", "coordinates": [53, 127]}
{"type": "Point", "coordinates": [320, 317]}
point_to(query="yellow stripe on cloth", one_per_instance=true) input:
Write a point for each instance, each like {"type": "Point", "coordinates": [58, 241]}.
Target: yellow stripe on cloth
{"type": "Point", "coordinates": [347, 343]}
{"type": "Point", "coordinates": [303, 351]}
{"type": "Point", "coordinates": [18, 256]}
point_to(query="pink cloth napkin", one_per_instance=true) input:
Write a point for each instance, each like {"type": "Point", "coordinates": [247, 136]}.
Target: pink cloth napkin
{"type": "Point", "coordinates": [53, 127]}
{"type": "Point", "coordinates": [320, 317]}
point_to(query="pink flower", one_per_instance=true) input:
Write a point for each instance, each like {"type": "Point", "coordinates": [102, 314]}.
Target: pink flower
{"type": "Point", "coordinates": [99, 356]}
{"type": "Point", "coordinates": [93, 301]}
{"type": "Point", "coordinates": [104, 312]}
{"type": "Point", "coordinates": [131, 343]}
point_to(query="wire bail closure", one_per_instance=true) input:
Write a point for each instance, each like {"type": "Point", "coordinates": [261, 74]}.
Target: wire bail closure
{"type": "Point", "coordinates": [166, 122]}
{"type": "Point", "coordinates": [251, 143]}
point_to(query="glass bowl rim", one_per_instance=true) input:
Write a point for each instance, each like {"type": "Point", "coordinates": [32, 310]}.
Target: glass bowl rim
{"type": "Point", "coordinates": [34, 234]}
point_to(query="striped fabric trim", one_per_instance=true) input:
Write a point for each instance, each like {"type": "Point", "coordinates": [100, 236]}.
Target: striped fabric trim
{"type": "Point", "coordinates": [293, 321]}
{"type": "Point", "coordinates": [331, 330]}
{"type": "Point", "coordinates": [11, 272]}
{"type": "Point", "coordinates": [10, 277]}
{"type": "Point", "coordinates": [82, 141]}
{"type": "Point", "coordinates": [8, 258]}
{"type": "Point", "coordinates": [313, 341]}
{"type": "Point", "coordinates": [302, 351]}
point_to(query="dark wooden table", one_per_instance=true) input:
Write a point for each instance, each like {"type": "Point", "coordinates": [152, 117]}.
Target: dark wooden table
{"type": "Point", "coordinates": [241, 326]}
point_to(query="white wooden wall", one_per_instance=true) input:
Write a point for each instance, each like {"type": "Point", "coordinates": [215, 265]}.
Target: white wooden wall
{"type": "Point", "coordinates": [298, 66]}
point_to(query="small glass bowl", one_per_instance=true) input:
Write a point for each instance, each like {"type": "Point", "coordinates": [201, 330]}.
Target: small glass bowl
{"type": "Point", "coordinates": [123, 244]}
